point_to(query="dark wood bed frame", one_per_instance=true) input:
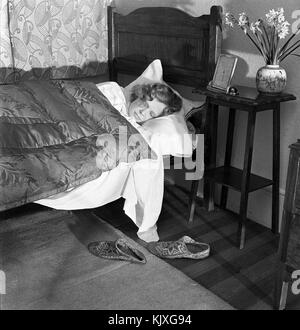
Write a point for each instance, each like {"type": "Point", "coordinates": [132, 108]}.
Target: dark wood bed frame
{"type": "Point", "coordinates": [187, 46]}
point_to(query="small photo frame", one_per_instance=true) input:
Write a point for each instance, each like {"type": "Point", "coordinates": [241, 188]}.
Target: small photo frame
{"type": "Point", "coordinates": [223, 73]}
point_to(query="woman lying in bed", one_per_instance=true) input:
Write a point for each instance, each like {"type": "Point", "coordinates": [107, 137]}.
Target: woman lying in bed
{"type": "Point", "coordinates": [141, 186]}
{"type": "Point", "coordinates": [151, 101]}
{"type": "Point", "coordinates": [140, 183]}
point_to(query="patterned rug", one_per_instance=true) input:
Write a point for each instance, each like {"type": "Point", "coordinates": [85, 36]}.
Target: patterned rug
{"type": "Point", "coordinates": [47, 265]}
{"type": "Point", "coordinates": [243, 278]}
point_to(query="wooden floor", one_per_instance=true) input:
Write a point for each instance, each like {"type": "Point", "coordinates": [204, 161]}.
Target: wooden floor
{"type": "Point", "coordinates": [47, 265]}
{"type": "Point", "coordinates": [243, 278]}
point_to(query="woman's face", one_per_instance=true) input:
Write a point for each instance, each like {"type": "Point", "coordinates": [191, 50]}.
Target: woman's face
{"type": "Point", "coordinates": [145, 110]}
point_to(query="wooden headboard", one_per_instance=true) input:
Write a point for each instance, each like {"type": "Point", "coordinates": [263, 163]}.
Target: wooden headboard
{"type": "Point", "coordinates": [187, 46]}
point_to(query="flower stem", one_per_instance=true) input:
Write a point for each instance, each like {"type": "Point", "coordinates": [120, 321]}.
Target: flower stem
{"type": "Point", "coordinates": [290, 50]}
{"type": "Point", "coordinates": [256, 45]}
{"type": "Point", "coordinates": [284, 47]}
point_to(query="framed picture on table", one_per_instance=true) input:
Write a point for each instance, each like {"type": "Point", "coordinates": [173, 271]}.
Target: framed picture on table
{"type": "Point", "coordinates": [223, 73]}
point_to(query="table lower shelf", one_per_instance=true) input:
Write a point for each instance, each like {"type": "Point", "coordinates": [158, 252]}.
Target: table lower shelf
{"type": "Point", "coordinates": [232, 177]}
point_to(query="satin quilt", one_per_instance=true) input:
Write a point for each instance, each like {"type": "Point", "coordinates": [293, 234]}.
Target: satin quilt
{"type": "Point", "coordinates": [55, 135]}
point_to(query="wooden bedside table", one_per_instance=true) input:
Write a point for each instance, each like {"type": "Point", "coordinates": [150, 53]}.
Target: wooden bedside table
{"type": "Point", "coordinates": [242, 180]}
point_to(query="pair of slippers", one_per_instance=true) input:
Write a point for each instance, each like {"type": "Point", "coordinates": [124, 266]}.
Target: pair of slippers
{"type": "Point", "coordinates": [185, 247]}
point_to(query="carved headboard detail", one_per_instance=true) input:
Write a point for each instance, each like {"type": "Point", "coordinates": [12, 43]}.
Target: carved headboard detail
{"type": "Point", "coordinates": [187, 46]}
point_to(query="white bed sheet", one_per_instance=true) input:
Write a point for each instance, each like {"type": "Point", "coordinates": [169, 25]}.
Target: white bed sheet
{"type": "Point", "coordinates": [141, 184]}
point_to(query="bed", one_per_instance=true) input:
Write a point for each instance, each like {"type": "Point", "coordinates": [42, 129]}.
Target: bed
{"type": "Point", "coordinates": [55, 134]}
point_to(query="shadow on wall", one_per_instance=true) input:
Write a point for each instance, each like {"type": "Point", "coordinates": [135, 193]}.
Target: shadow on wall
{"type": "Point", "coordinates": [241, 75]}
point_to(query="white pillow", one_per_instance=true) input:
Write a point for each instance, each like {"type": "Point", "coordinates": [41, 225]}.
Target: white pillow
{"type": "Point", "coordinates": [153, 74]}
{"type": "Point", "coordinates": [114, 93]}
{"type": "Point", "coordinates": [170, 133]}
{"type": "Point", "coordinates": [170, 136]}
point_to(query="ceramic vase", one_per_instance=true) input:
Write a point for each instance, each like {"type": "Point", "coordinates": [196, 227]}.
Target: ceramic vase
{"type": "Point", "coordinates": [271, 79]}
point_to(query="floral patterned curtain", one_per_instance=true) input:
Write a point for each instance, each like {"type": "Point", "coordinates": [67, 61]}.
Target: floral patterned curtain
{"type": "Point", "coordinates": [44, 39]}
{"type": "Point", "coordinates": [6, 60]}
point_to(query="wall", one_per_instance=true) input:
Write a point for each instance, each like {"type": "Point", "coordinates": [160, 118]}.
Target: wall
{"type": "Point", "coordinates": [249, 61]}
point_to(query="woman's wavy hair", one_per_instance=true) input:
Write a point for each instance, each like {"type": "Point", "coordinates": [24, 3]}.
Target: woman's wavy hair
{"type": "Point", "coordinates": [163, 93]}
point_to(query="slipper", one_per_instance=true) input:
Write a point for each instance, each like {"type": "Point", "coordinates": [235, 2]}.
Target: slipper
{"type": "Point", "coordinates": [116, 250]}
{"type": "Point", "coordinates": [185, 247]}
{"type": "Point", "coordinates": [130, 252]}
